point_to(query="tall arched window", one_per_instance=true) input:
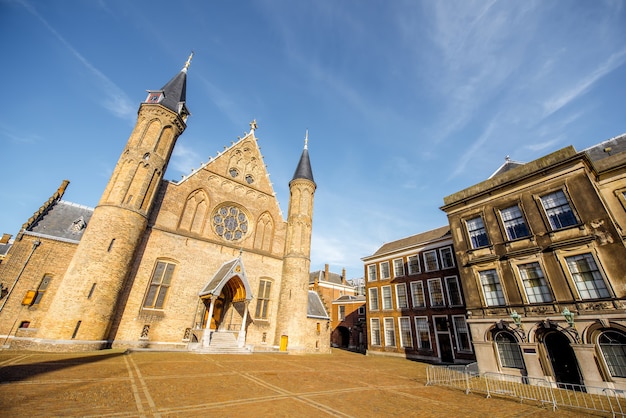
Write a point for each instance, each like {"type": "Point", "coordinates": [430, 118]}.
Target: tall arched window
{"type": "Point", "coordinates": [613, 347]}
{"type": "Point", "coordinates": [508, 350]}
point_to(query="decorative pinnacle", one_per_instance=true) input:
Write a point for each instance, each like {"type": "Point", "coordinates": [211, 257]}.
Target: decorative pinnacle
{"type": "Point", "coordinates": [188, 63]}
{"type": "Point", "coordinates": [306, 140]}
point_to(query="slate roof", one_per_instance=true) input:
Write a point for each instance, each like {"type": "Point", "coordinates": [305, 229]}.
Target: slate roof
{"type": "Point", "coordinates": [303, 170]}
{"type": "Point", "coordinates": [350, 298]}
{"type": "Point", "coordinates": [607, 148]}
{"type": "Point", "coordinates": [175, 92]}
{"type": "Point", "coordinates": [315, 307]}
{"type": "Point", "coordinates": [413, 240]}
{"type": "Point", "coordinates": [62, 220]}
{"type": "Point", "coordinates": [332, 277]}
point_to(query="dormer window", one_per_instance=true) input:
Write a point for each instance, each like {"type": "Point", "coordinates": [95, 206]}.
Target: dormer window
{"type": "Point", "coordinates": [154, 97]}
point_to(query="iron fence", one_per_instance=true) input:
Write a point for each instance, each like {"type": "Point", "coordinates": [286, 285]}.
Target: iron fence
{"type": "Point", "coordinates": [541, 391]}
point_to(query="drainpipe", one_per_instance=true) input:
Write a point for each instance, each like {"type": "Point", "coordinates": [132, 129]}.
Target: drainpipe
{"type": "Point", "coordinates": [35, 245]}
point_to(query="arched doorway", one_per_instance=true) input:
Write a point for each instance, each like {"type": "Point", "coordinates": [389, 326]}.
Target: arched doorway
{"type": "Point", "coordinates": [562, 358]}
{"type": "Point", "coordinates": [344, 337]}
{"type": "Point", "coordinates": [225, 298]}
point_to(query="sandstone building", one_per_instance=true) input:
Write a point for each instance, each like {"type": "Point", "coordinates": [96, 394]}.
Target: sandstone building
{"type": "Point", "coordinates": [542, 259]}
{"type": "Point", "coordinates": [171, 265]}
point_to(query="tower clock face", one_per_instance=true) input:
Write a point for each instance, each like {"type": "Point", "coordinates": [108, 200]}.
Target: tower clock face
{"type": "Point", "coordinates": [230, 222]}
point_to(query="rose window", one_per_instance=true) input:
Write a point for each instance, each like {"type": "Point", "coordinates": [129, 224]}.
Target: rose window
{"type": "Point", "coordinates": [230, 223]}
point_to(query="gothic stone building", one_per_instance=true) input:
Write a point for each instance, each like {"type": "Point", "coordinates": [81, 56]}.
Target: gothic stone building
{"type": "Point", "coordinates": [194, 264]}
{"type": "Point", "coordinates": [543, 265]}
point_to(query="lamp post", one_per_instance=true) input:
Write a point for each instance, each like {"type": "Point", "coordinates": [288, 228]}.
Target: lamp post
{"type": "Point", "coordinates": [569, 317]}
{"type": "Point", "coordinates": [517, 318]}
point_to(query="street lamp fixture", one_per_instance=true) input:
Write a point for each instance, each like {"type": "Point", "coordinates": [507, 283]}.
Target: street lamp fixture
{"type": "Point", "coordinates": [517, 318]}
{"type": "Point", "coordinates": [569, 317]}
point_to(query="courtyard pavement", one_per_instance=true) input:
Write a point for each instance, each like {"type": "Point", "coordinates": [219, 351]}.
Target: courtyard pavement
{"type": "Point", "coordinates": [113, 383]}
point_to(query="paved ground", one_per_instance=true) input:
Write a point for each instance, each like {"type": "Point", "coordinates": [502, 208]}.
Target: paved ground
{"type": "Point", "coordinates": [151, 384]}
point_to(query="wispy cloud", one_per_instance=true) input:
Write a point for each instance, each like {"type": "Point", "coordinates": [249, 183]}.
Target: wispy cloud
{"type": "Point", "coordinates": [19, 136]}
{"type": "Point", "coordinates": [582, 86]}
{"type": "Point", "coordinates": [116, 102]}
{"type": "Point", "coordinates": [184, 159]}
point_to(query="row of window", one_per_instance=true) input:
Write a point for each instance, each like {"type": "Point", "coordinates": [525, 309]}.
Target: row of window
{"type": "Point", "coordinates": [432, 260]}
{"type": "Point", "coordinates": [341, 312]}
{"type": "Point", "coordinates": [422, 332]}
{"type": "Point", "coordinates": [612, 344]}
{"type": "Point", "coordinates": [557, 209]}
{"type": "Point", "coordinates": [582, 267]}
{"type": "Point", "coordinates": [417, 295]}
{"type": "Point", "coordinates": [162, 279]}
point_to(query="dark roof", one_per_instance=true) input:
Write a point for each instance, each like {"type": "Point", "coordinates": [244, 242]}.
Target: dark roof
{"type": "Point", "coordinates": [175, 92]}
{"type": "Point", "coordinates": [4, 248]}
{"type": "Point", "coordinates": [607, 148]}
{"type": "Point", "coordinates": [63, 220]}
{"type": "Point", "coordinates": [315, 308]}
{"type": "Point", "coordinates": [332, 277]}
{"type": "Point", "coordinates": [424, 237]}
{"type": "Point", "coordinates": [350, 298]}
{"type": "Point", "coordinates": [303, 171]}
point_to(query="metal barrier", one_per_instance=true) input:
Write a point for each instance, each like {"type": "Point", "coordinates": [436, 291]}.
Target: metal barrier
{"type": "Point", "coordinates": [542, 391]}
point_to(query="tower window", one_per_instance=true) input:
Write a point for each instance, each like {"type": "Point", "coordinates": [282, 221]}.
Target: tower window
{"type": "Point", "coordinates": [263, 301]}
{"type": "Point", "coordinates": [154, 97]}
{"type": "Point", "coordinates": [41, 290]}
{"type": "Point", "coordinates": [249, 179]}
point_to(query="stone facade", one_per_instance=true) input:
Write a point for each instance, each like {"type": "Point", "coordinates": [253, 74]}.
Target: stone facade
{"type": "Point", "coordinates": [542, 261]}
{"type": "Point", "coordinates": [165, 264]}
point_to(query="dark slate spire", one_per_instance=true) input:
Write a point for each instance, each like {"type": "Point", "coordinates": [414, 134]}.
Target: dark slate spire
{"type": "Point", "coordinates": [303, 171]}
{"type": "Point", "coordinates": [173, 95]}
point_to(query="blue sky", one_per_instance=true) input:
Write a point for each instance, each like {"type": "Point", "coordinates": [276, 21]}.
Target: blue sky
{"type": "Point", "coordinates": [405, 101]}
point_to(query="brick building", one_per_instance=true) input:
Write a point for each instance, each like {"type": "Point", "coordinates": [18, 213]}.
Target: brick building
{"type": "Point", "coordinates": [165, 264]}
{"type": "Point", "coordinates": [415, 305]}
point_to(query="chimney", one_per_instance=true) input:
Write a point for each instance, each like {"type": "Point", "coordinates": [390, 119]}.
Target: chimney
{"type": "Point", "coordinates": [5, 238]}
{"type": "Point", "coordinates": [343, 276]}
{"type": "Point", "coordinates": [326, 273]}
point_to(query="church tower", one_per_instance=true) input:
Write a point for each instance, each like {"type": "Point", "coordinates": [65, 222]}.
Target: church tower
{"type": "Point", "coordinates": [87, 298]}
{"type": "Point", "coordinates": [292, 324]}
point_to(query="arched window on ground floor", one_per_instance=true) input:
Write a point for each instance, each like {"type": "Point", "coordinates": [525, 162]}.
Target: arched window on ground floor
{"type": "Point", "coordinates": [613, 346]}
{"type": "Point", "coordinates": [508, 350]}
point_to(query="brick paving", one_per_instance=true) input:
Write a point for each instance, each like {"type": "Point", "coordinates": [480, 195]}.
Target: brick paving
{"type": "Point", "coordinates": [165, 384]}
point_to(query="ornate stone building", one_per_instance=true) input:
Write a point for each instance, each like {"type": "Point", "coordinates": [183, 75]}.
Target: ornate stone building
{"type": "Point", "coordinates": [543, 265]}
{"type": "Point", "coordinates": [206, 263]}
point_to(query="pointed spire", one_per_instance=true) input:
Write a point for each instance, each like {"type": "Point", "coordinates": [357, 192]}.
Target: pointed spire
{"type": "Point", "coordinates": [175, 92]}
{"type": "Point", "coordinates": [303, 171]}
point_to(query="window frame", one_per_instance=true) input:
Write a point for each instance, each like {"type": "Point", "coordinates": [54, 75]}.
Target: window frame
{"type": "Point", "coordinates": [441, 290]}
{"type": "Point", "coordinates": [263, 299]}
{"type": "Point", "coordinates": [442, 258]}
{"type": "Point", "coordinates": [423, 296]}
{"type": "Point", "coordinates": [387, 300]}
{"type": "Point", "coordinates": [481, 231]}
{"type": "Point", "coordinates": [375, 332]}
{"type": "Point", "coordinates": [390, 332]}
{"type": "Point", "coordinates": [458, 332]}
{"type": "Point", "coordinates": [419, 329]}
{"type": "Point", "coordinates": [547, 211]}
{"type": "Point", "coordinates": [341, 313]}
{"type": "Point", "coordinates": [427, 267]}
{"type": "Point", "coordinates": [44, 284]}
{"type": "Point", "coordinates": [506, 351]}
{"type": "Point", "coordinates": [499, 291]}
{"type": "Point", "coordinates": [384, 265]}
{"type": "Point", "coordinates": [406, 334]}
{"type": "Point", "coordinates": [399, 303]}
{"type": "Point", "coordinates": [600, 277]}
{"type": "Point", "coordinates": [458, 287]}
{"type": "Point", "coordinates": [513, 223]}
{"type": "Point", "coordinates": [544, 285]}
{"type": "Point", "coordinates": [372, 272]}
{"type": "Point", "coordinates": [159, 286]}
{"type": "Point", "coordinates": [415, 257]}
{"type": "Point", "coordinates": [373, 295]}
{"type": "Point", "coordinates": [397, 267]}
